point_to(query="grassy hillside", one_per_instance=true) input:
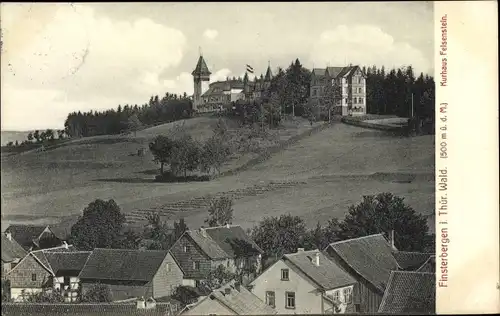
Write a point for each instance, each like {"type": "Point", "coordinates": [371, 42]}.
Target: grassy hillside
{"type": "Point", "coordinates": [328, 171]}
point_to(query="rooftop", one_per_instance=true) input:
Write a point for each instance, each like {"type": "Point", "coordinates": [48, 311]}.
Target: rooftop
{"type": "Point", "coordinates": [409, 292]}
{"type": "Point", "coordinates": [370, 256]}
{"type": "Point", "coordinates": [201, 68]}
{"type": "Point", "coordinates": [11, 249]}
{"type": "Point", "coordinates": [411, 260]}
{"type": "Point", "coordinates": [26, 234]}
{"type": "Point", "coordinates": [328, 275]}
{"type": "Point", "coordinates": [123, 264]}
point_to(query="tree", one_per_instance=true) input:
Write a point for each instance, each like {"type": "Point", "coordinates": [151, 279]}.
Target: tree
{"type": "Point", "coordinates": [60, 133]}
{"type": "Point", "coordinates": [134, 124]}
{"type": "Point", "coordinates": [332, 95]}
{"type": "Point", "coordinates": [186, 155]}
{"type": "Point", "coordinates": [219, 276]}
{"type": "Point", "coordinates": [161, 148]}
{"type": "Point", "coordinates": [383, 213]}
{"type": "Point", "coordinates": [321, 236]}
{"type": "Point", "coordinates": [220, 212]}
{"type": "Point", "coordinates": [100, 226]}
{"type": "Point", "coordinates": [280, 235]}
{"type": "Point", "coordinates": [30, 136]}
{"type": "Point", "coordinates": [158, 231]}
{"type": "Point", "coordinates": [215, 153]}
{"type": "Point", "coordinates": [98, 293]}
{"type": "Point", "coordinates": [36, 136]}
{"type": "Point", "coordinates": [44, 297]}
{"type": "Point", "coordinates": [179, 228]}
{"type": "Point", "coordinates": [49, 134]}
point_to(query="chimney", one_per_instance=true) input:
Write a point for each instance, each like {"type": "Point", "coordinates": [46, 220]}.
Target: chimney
{"type": "Point", "coordinates": [150, 303]}
{"type": "Point", "coordinates": [300, 249]}
{"type": "Point", "coordinates": [9, 236]}
{"type": "Point", "coordinates": [227, 290]}
{"type": "Point", "coordinates": [316, 259]}
{"type": "Point", "coordinates": [65, 244]}
{"type": "Point", "coordinates": [391, 240]}
{"type": "Point", "coordinates": [237, 286]}
{"type": "Point", "coordinates": [228, 226]}
{"type": "Point", "coordinates": [141, 304]}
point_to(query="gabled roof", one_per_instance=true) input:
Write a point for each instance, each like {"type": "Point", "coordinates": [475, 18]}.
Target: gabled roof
{"type": "Point", "coordinates": [241, 301]}
{"type": "Point", "coordinates": [201, 68]}
{"type": "Point", "coordinates": [224, 242]}
{"type": "Point", "coordinates": [41, 256]}
{"type": "Point", "coordinates": [429, 265]}
{"type": "Point", "coordinates": [408, 260]}
{"type": "Point", "coordinates": [67, 261]}
{"type": "Point", "coordinates": [123, 264]}
{"type": "Point", "coordinates": [11, 249]}
{"type": "Point", "coordinates": [319, 71]}
{"type": "Point", "coordinates": [409, 292]}
{"type": "Point", "coordinates": [26, 234]}
{"type": "Point", "coordinates": [334, 71]}
{"type": "Point", "coordinates": [82, 309]}
{"type": "Point", "coordinates": [328, 275]}
{"type": "Point", "coordinates": [370, 257]}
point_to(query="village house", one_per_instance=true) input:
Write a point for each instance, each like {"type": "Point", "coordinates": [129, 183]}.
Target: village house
{"type": "Point", "coordinates": [47, 270]}
{"type": "Point", "coordinates": [230, 299]}
{"type": "Point", "coordinates": [141, 306]}
{"type": "Point", "coordinates": [132, 273]}
{"type": "Point", "coordinates": [306, 282]}
{"type": "Point", "coordinates": [33, 237]}
{"type": "Point", "coordinates": [12, 253]}
{"type": "Point", "coordinates": [409, 292]}
{"type": "Point", "coordinates": [351, 82]}
{"type": "Point", "coordinates": [203, 250]}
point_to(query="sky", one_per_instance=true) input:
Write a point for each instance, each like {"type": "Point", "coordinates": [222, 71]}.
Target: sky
{"type": "Point", "coordinates": [60, 58]}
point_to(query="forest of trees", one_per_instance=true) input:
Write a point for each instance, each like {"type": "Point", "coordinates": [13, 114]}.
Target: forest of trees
{"type": "Point", "coordinates": [171, 107]}
{"type": "Point", "coordinates": [391, 92]}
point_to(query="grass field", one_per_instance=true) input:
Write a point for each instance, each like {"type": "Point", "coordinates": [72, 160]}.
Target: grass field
{"type": "Point", "coordinates": [335, 168]}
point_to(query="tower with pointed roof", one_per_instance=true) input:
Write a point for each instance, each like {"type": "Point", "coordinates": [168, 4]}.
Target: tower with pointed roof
{"type": "Point", "coordinates": [201, 77]}
{"type": "Point", "coordinates": [268, 77]}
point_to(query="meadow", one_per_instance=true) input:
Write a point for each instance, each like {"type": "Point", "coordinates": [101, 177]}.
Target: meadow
{"type": "Point", "coordinates": [327, 172]}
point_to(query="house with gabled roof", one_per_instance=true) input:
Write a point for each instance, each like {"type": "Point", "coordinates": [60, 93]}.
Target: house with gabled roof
{"type": "Point", "coordinates": [306, 282]}
{"type": "Point", "coordinates": [33, 237]}
{"type": "Point", "coordinates": [49, 269]}
{"type": "Point", "coordinates": [351, 81]}
{"type": "Point", "coordinates": [230, 299]}
{"type": "Point", "coordinates": [203, 250]}
{"type": "Point", "coordinates": [369, 260]}
{"type": "Point", "coordinates": [409, 292]}
{"type": "Point", "coordinates": [12, 253]}
{"type": "Point", "coordinates": [132, 273]}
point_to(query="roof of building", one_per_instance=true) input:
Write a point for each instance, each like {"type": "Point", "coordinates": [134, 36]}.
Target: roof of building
{"type": "Point", "coordinates": [429, 265]}
{"type": "Point", "coordinates": [201, 68]}
{"type": "Point", "coordinates": [26, 234]}
{"type": "Point", "coordinates": [11, 249]}
{"type": "Point", "coordinates": [319, 71]}
{"type": "Point", "coordinates": [224, 242]}
{"type": "Point", "coordinates": [269, 74]}
{"type": "Point", "coordinates": [67, 261]}
{"type": "Point", "coordinates": [409, 292]}
{"type": "Point", "coordinates": [370, 257]}
{"type": "Point", "coordinates": [409, 260]}
{"type": "Point", "coordinates": [97, 309]}
{"type": "Point", "coordinates": [123, 264]}
{"type": "Point", "coordinates": [241, 301]}
{"type": "Point", "coordinates": [42, 256]}
{"type": "Point", "coordinates": [335, 72]}
{"type": "Point", "coordinates": [328, 275]}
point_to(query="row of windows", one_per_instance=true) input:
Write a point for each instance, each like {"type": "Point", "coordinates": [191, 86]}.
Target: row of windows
{"type": "Point", "coordinates": [335, 296]}
{"type": "Point", "coordinates": [316, 91]}
{"type": "Point", "coordinates": [289, 299]}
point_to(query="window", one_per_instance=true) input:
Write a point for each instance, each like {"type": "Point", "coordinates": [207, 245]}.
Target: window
{"type": "Point", "coordinates": [336, 296]}
{"type": "Point", "coordinates": [168, 267]}
{"type": "Point", "coordinates": [290, 300]}
{"type": "Point", "coordinates": [33, 277]}
{"type": "Point", "coordinates": [348, 295]}
{"type": "Point", "coordinates": [355, 100]}
{"type": "Point", "coordinates": [185, 248]}
{"type": "Point", "coordinates": [284, 274]}
{"type": "Point", "coordinates": [361, 100]}
{"type": "Point", "coordinates": [270, 298]}
{"type": "Point", "coordinates": [314, 92]}
{"type": "Point", "coordinates": [196, 265]}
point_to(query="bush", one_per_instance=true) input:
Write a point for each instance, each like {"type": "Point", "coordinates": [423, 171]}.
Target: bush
{"type": "Point", "coordinates": [97, 293]}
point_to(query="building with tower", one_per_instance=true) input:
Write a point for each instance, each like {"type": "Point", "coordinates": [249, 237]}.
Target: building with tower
{"type": "Point", "coordinates": [214, 96]}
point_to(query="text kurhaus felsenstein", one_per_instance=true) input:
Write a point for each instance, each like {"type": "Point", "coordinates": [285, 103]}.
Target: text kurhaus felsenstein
{"type": "Point", "coordinates": [443, 51]}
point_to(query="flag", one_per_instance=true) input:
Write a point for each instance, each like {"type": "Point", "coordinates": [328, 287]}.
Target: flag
{"type": "Point", "coordinates": [250, 69]}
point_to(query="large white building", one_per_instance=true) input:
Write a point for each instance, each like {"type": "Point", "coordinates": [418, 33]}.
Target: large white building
{"type": "Point", "coordinates": [351, 80]}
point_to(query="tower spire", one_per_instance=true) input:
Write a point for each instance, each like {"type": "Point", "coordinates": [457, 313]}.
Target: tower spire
{"type": "Point", "coordinates": [199, 51]}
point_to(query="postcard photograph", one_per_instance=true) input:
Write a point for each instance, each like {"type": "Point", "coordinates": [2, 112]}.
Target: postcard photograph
{"type": "Point", "coordinates": [219, 158]}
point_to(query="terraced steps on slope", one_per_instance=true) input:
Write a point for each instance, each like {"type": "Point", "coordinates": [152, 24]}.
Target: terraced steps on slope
{"type": "Point", "coordinates": [203, 202]}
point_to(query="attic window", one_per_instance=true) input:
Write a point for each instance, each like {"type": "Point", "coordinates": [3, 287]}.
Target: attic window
{"type": "Point", "coordinates": [185, 248]}
{"type": "Point", "coordinates": [33, 277]}
{"type": "Point", "coordinates": [285, 274]}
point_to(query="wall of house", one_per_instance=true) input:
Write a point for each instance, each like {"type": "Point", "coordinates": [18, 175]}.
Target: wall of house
{"type": "Point", "coordinates": [356, 93]}
{"type": "Point", "coordinates": [168, 277]}
{"type": "Point", "coordinates": [344, 307]}
{"type": "Point", "coordinates": [186, 259]}
{"type": "Point", "coordinates": [21, 275]}
{"type": "Point", "coordinates": [308, 300]}
{"type": "Point", "coordinates": [121, 290]}
{"type": "Point", "coordinates": [209, 307]}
